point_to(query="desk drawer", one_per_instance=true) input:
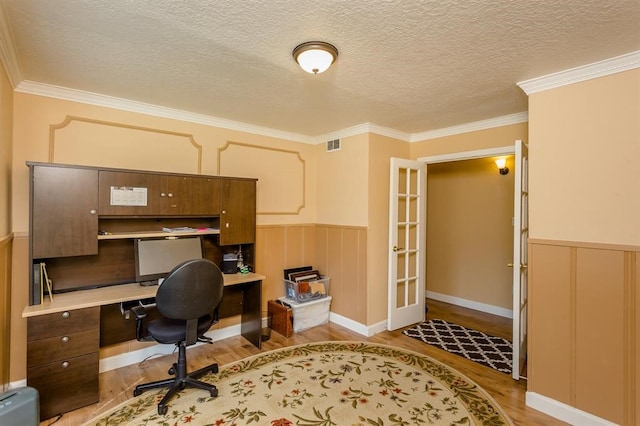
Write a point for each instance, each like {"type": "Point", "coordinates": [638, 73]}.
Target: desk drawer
{"type": "Point", "coordinates": [63, 387]}
{"type": "Point", "coordinates": [63, 323]}
{"type": "Point", "coordinates": [62, 347]}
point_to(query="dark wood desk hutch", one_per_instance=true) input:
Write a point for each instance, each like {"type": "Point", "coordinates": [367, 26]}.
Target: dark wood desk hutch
{"type": "Point", "coordinates": [83, 222]}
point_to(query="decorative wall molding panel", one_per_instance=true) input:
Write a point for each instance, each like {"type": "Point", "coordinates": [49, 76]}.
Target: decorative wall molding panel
{"type": "Point", "coordinates": [283, 193]}
{"type": "Point", "coordinates": [91, 142]}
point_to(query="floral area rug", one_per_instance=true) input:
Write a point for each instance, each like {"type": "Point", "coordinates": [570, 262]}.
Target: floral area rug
{"type": "Point", "coordinates": [323, 384]}
{"type": "Point", "coordinates": [492, 351]}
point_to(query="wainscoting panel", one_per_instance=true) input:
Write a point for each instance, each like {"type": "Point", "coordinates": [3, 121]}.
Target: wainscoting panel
{"type": "Point", "coordinates": [5, 308]}
{"type": "Point", "coordinates": [583, 327]}
{"type": "Point", "coordinates": [341, 252]}
{"type": "Point", "coordinates": [279, 247]}
{"type": "Point", "coordinates": [338, 252]}
{"type": "Point", "coordinates": [632, 411]}
{"type": "Point", "coordinates": [598, 335]}
{"type": "Point", "coordinates": [550, 322]}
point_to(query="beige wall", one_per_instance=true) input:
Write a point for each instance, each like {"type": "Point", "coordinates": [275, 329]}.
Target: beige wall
{"type": "Point", "coordinates": [584, 308]}
{"type": "Point", "coordinates": [584, 151]}
{"type": "Point", "coordinates": [471, 141]}
{"type": "Point", "coordinates": [48, 129]}
{"type": "Point", "coordinates": [342, 182]}
{"type": "Point", "coordinates": [6, 138]}
{"type": "Point", "coordinates": [293, 179]}
{"type": "Point", "coordinates": [381, 149]}
{"type": "Point", "coordinates": [470, 231]}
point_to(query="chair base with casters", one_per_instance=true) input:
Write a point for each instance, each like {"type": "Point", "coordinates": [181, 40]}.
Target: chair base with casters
{"type": "Point", "coordinates": [180, 381]}
{"type": "Point", "coordinates": [187, 302]}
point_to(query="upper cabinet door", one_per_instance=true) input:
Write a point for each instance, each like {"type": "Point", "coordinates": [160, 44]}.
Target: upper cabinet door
{"type": "Point", "coordinates": [130, 193]}
{"type": "Point", "coordinates": [149, 194]}
{"type": "Point", "coordinates": [192, 196]}
{"type": "Point", "coordinates": [238, 211]}
{"type": "Point", "coordinates": [64, 213]}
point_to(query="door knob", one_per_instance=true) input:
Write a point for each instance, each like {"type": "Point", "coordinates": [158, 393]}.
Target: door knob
{"type": "Point", "coordinates": [396, 248]}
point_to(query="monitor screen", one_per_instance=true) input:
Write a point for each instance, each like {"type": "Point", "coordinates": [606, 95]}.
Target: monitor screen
{"type": "Point", "coordinates": [155, 258]}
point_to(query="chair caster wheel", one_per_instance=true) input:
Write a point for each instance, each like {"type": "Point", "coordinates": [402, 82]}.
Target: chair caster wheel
{"type": "Point", "coordinates": [137, 392]}
{"type": "Point", "coordinates": [171, 371]}
{"type": "Point", "coordinates": [214, 369]}
{"type": "Point", "coordinates": [213, 392]}
{"type": "Point", "coordinates": [162, 410]}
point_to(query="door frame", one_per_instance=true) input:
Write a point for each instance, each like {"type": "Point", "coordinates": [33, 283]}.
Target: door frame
{"type": "Point", "coordinates": [470, 155]}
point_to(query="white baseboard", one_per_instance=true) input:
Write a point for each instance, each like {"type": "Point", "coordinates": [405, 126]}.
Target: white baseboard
{"type": "Point", "coordinates": [563, 412]}
{"type": "Point", "coordinates": [482, 307]}
{"type": "Point", "coordinates": [356, 327]}
{"type": "Point", "coordinates": [134, 357]}
{"type": "Point", "coordinates": [17, 384]}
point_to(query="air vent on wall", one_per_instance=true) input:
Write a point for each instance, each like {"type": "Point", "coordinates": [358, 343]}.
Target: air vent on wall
{"type": "Point", "coordinates": [333, 145]}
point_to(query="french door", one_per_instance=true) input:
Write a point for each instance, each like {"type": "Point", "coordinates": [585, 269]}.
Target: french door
{"type": "Point", "coordinates": [407, 242]}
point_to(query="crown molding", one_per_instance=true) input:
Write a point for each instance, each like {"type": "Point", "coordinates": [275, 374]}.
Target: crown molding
{"type": "Point", "coordinates": [505, 120]}
{"type": "Point", "coordinates": [74, 95]}
{"type": "Point", "coordinates": [586, 72]}
{"type": "Point", "coordinates": [8, 49]}
{"type": "Point", "coordinates": [364, 128]}
{"type": "Point", "coordinates": [57, 92]}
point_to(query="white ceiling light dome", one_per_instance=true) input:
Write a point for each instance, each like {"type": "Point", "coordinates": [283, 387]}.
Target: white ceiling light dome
{"type": "Point", "coordinates": [315, 57]}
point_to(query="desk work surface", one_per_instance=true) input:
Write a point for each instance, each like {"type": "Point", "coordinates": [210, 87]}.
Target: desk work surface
{"type": "Point", "coordinates": [113, 294]}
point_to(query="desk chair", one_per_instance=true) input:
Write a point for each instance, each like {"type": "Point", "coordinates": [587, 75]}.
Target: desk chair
{"type": "Point", "coordinates": [187, 301]}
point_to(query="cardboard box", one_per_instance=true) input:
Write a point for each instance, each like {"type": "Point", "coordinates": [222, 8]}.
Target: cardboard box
{"type": "Point", "coordinates": [306, 291]}
{"type": "Point", "coordinates": [309, 314]}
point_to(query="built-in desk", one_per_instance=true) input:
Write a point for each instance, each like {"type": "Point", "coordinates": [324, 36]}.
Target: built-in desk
{"type": "Point", "coordinates": [64, 335]}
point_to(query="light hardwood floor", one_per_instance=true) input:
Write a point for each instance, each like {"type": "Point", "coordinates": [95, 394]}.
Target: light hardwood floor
{"type": "Point", "coordinates": [117, 386]}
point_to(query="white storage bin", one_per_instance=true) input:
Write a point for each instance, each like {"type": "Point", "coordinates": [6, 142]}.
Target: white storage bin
{"type": "Point", "coordinates": [309, 314]}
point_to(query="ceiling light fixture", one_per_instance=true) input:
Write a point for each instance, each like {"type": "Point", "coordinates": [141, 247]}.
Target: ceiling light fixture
{"type": "Point", "coordinates": [315, 56]}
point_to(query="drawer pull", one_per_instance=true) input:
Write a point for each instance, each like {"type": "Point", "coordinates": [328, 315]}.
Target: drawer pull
{"type": "Point", "coordinates": [65, 364]}
{"type": "Point", "coordinates": [66, 314]}
{"type": "Point", "coordinates": [65, 339]}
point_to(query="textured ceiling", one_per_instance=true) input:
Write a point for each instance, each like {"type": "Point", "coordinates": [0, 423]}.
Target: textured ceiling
{"type": "Point", "coordinates": [408, 65]}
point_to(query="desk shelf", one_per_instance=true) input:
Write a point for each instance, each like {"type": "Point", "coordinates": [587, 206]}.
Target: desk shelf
{"type": "Point", "coordinates": [154, 234]}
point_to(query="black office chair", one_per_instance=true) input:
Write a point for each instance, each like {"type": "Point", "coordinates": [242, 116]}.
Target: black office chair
{"type": "Point", "coordinates": [187, 301]}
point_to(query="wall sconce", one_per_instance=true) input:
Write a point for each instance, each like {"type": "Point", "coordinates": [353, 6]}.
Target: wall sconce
{"type": "Point", "coordinates": [315, 56]}
{"type": "Point", "coordinates": [501, 166]}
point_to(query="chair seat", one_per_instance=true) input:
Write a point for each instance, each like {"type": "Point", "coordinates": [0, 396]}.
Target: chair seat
{"type": "Point", "coordinates": [164, 330]}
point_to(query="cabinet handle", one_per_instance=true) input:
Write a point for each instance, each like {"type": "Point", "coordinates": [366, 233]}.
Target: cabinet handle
{"type": "Point", "coordinates": [66, 314]}
{"type": "Point", "coordinates": [170, 195]}
{"type": "Point", "coordinates": [65, 364]}
{"type": "Point", "coordinates": [65, 339]}
{"type": "Point", "coordinates": [93, 211]}
{"type": "Point", "coordinates": [162, 194]}
{"type": "Point", "coordinates": [223, 212]}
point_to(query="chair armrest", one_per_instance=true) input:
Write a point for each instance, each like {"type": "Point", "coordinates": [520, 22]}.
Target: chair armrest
{"type": "Point", "coordinates": [139, 312]}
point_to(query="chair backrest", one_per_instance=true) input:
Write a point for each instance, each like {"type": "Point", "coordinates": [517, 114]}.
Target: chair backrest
{"type": "Point", "coordinates": [191, 290]}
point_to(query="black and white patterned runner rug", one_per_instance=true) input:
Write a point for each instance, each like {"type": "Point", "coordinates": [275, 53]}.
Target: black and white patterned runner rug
{"type": "Point", "coordinates": [494, 352]}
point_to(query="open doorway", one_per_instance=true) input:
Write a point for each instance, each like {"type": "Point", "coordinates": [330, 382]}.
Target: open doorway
{"type": "Point", "coordinates": [470, 234]}
{"type": "Point", "coordinates": [464, 248]}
